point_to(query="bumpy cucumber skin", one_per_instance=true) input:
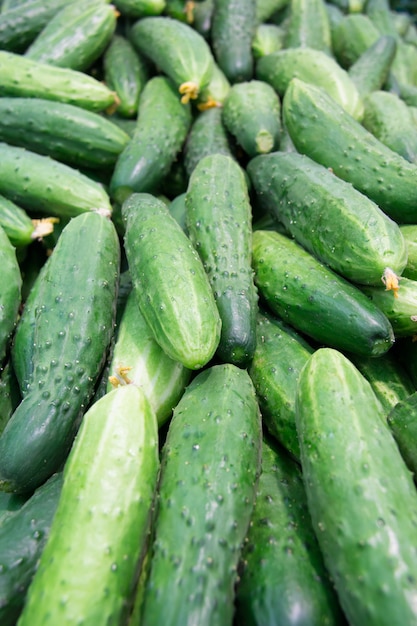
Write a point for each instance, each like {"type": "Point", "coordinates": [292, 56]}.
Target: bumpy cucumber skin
{"type": "Point", "coordinates": [202, 514]}
{"type": "Point", "coordinates": [232, 30]}
{"type": "Point", "coordinates": [308, 26]}
{"type": "Point", "coordinates": [40, 183]}
{"type": "Point", "coordinates": [315, 300]}
{"type": "Point", "coordinates": [88, 568]}
{"type": "Point", "coordinates": [399, 307]}
{"type": "Point", "coordinates": [20, 25]}
{"type": "Point", "coordinates": [20, 76]}
{"type": "Point", "coordinates": [162, 127]}
{"type": "Point", "coordinates": [10, 290]}
{"type": "Point", "coordinates": [171, 285]}
{"type": "Point", "coordinates": [361, 495]}
{"type": "Point", "coordinates": [64, 132]}
{"type": "Point", "coordinates": [162, 379]}
{"type": "Point", "coordinates": [351, 151]}
{"type": "Point", "coordinates": [282, 577]}
{"type": "Point", "coordinates": [278, 359]}
{"type": "Point", "coordinates": [23, 535]}
{"type": "Point", "coordinates": [370, 71]}
{"type": "Point", "coordinates": [73, 317]}
{"type": "Point", "coordinates": [218, 222]}
{"type": "Point", "coordinates": [402, 420]}
{"type": "Point", "coordinates": [339, 225]}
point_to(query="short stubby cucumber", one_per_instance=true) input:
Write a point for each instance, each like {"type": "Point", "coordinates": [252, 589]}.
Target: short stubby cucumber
{"type": "Point", "coordinates": [218, 222]}
{"type": "Point", "coordinates": [203, 513]}
{"type": "Point", "coordinates": [360, 494]}
{"type": "Point", "coordinates": [329, 217]}
{"type": "Point", "coordinates": [140, 8]}
{"type": "Point", "coordinates": [398, 303]}
{"type": "Point", "coordinates": [68, 325]}
{"type": "Point", "coordinates": [10, 292]}
{"type": "Point", "coordinates": [315, 300]}
{"type": "Point", "coordinates": [89, 566]}
{"type": "Point", "coordinates": [308, 26]}
{"type": "Point", "coordinates": [21, 229]}
{"type": "Point", "coordinates": [172, 288]}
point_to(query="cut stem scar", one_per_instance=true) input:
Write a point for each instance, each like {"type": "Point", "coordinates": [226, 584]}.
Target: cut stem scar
{"type": "Point", "coordinates": [391, 281]}
{"type": "Point", "coordinates": [189, 91]}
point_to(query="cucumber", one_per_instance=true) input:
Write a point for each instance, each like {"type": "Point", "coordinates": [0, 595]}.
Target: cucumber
{"type": "Point", "coordinates": [399, 304]}
{"type": "Point", "coordinates": [202, 514]}
{"type": "Point", "coordinates": [135, 9]}
{"type": "Point", "coordinates": [360, 494]}
{"type": "Point", "coordinates": [371, 69]}
{"type": "Point", "coordinates": [172, 288]}
{"type": "Point", "coordinates": [39, 183]}
{"type": "Point", "coordinates": [214, 94]}
{"type": "Point", "coordinates": [354, 34]}
{"type": "Point", "coordinates": [402, 420]}
{"type": "Point", "coordinates": [353, 153]}
{"type": "Point", "coordinates": [62, 131]}
{"type": "Point", "coordinates": [107, 493]}
{"type": "Point", "coordinates": [268, 38]}
{"type": "Point", "coordinates": [266, 9]}
{"type": "Point", "coordinates": [279, 356]}
{"type": "Point", "coordinates": [10, 290]}
{"type": "Point", "coordinates": [76, 36]}
{"type": "Point", "coordinates": [218, 223]}
{"type": "Point", "coordinates": [10, 395]}
{"type": "Point", "coordinates": [314, 67]}
{"type": "Point", "coordinates": [20, 76]}
{"type": "Point", "coordinates": [282, 574]}
{"type": "Point", "coordinates": [19, 227]}
{"type": "Point", "coordinates": [23, 535]}
{"type": "Point", "coordinates": [314, 299]}
{"type": "Point", "coordinates": [137, 356]}
{"type": "Point", "coordinates": [179, 51]}
{"type": "Point", "coordinates": [308, 26]}
{"type": "Point", "coordinates": [57, 358]}
{"type": "Point", "coordinates": [252, 114]}
{"type": "Point", "coordinates": [409, 232]}
{"type": "Point", "coordinates": [161, 129]}
{"type": "Point", "coordinates": [326, 215]}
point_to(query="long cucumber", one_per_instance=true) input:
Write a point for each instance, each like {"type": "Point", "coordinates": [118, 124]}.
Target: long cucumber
{"type": "Point", "coordinates": [10, 292]}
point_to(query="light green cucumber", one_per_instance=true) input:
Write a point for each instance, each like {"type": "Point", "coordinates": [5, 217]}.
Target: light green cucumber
{"type": "Point", "coordinates": [326, 215]}
{"type": "Point", "coordinates": [10, 290]}
{"type": "Point", "coordinates": [399, 304]}
{"type": "Point", "coordinates": [409, 232]}
{"type": "Point", "coordinates": [308, 26]}
{"type": "Point", "coordinates": [134, 9]}
{"type": "Point", "coordinates": [268, 38]}
{"type": "Point", "coordinates": [360, 494]}
{"type": "Point", "coordinates": [89, 566]}
{"type": "Point", "coordinates": [354, 34]}
{"type": "Point", "coordinates": [171, 285]}
{"type": "Point", "coordinates": [371, 69]}
{"type": "Point", "coordinates": [203, 513]}
{"type": "Point", "coordinates": [214, 94]}
{"type": "Point", "coordinates": [19, 227]}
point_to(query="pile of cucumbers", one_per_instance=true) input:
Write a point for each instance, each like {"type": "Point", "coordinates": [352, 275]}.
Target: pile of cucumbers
{"type": "Point", "coordinates": [208, 313]}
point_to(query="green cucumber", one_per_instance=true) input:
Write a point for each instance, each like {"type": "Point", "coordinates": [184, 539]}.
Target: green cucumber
{"type": "Point", "coordinates": [314, 299]}
{"type": "Point", "coordinates": [360, 494]}
{"type": "Point", "coordinates": [19, 227]}
{"type": "Point", "coordinates": [268, 38]}
{"type": "Point", "coordinates": [202, 13]}
{"type": "Point", "coordinates": [134, 9]}
{"type": "Point", "coordinates": [354, 34]}
{"type": "Point", "coordinates": [308, 26]}
{"type": "Point", "coordinates": [178, 50]}
{"type": "Point", "coordinates": [371, 69]}
{"type": "Point", "coordinates": [326, 215]}
{"type": "Point", "coordinates": [42, 184]}
{"type": "Point", "coordinates": [76, 36]}
{"type": "Point", "coordinates": [23, 535]}
{"type": "Point", "coordinates": [172, 287]}
{"type": "Point", "coordinates": [161, 129]}
{"type": "Point", "coordinates": [137, 356]}
{"type": "Point", "coordinates": [89, 566]}
{"type": "Point", "coordinates": [202, 514]}
{"type": "Point", "coordinates": [266, 9]}
{"type": "Point", "coordinates": [402, 420]}
{"type": "Point", "coordinates": [73, 304]}
{"type": "Point", "coordinates": [409, 232]}
{"type": "Point", "coordinates": [62, 131]}
{"type": "Point", "coordinates": [314, 67]}
{"type": "Point", "coordinates": [279, 356]}
{"type": "Point", "coordinates": [10, 395]}
{"type": "Point", "coordinates": [399, 304]}
{"type": "Point", "coordinates": [20, 76]}
{"type": "Point", "coordinates": [252, 114]}
{"type": "Point", "coordinates": [10, 290]}
{"type": "Point", "coordinates": [351, 151]}
{"type": "Point", "coordinates": [21, 24]}
{"type": "Point", "coordinates": [282, 577]}
{"type": "Point", "coordinates": [215, 92]}
{"type": "Point", "coordinates": [218, 222]}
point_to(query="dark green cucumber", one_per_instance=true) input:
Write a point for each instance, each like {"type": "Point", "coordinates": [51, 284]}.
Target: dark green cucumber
{"type": "Point", "coordinates": [10, 290]}
{"type": "Point", "coordinates": [23, 536]}
{"type": "Point", "coordinates": [139, 358]}
{"type": "Point", "coordinates": [315, 300]}
{"type": "Point", "coordinates": [172, 287]}
{"type": "Point", "coordinates": [20, 76]}
{"type": "Point", "coordinates": [89, 566]}
{"type": "Point", "coordinates": [21, 24]}
{"type": "Point", "coordinates": [282, 577]}
{"type": "Point", "coordinates": [251, 113]}
{"type": "Point", "coordinates": [69, 323]}
{"type": "Point", "coordinates": [19, 227]}
{"type": "Point", "coordinates": [399, 305]}
{"type": "Point", "coordinates": [140, 8]}
{"type": "Point", "coordinates": [202, 514]}
{"type": "Point", "coordinates": [354, 34]}
{"type": "Point", "coordinates": [42, 184]}
{"type": "Point", "coordinates": [326, 215]}
{"type": "Point", "coordinates": [62, 131]}
{"type": "Point", "coordinates": [232, 30]}
{"type": "Point", "coordinates": [371, 69]}
{"type": "Point", "coordinates": [218, 222]}
{"type": "Point", "coordinates": [266, 9]}
{"type": "Point", "coordinates": [162, 126]}
{"type": "Point", "coordinates": [76, 36]}
{"type": "Point", "coordinates": [308, 26]}
{"type": "Point", "coordinates": [280, 354]}
{"type": "Point", "coordinates": [125, 73]}
{"type": "Point", "coordinates": [409, 232]}
{"type": "Point", "coordinates": [351, 151]}
{"type": "Point", "coordinates": [402, 420]}
{"type": "Point", "coordinates": [10, 395]}
{"type": "Point", "coordinates": [360, 494]}
{"type": "Point", "coordinates": [179, 51]}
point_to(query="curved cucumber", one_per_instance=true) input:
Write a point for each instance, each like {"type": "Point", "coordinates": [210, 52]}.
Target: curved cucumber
{"type": "Point", "coordinates": [107, 493]}
{"type": "Point", "coordinates": [361, 496]}
{"type": "Point", "coordinates": [10, 292]}
{"type": "Point", "coordinates": [170, 283]}
{"type": "Point", "coordinates": [315, 300]}
{"type": "Point", "coordinates": [371, 70]}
